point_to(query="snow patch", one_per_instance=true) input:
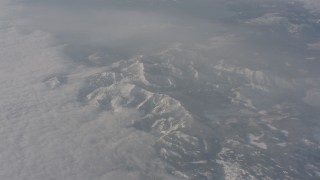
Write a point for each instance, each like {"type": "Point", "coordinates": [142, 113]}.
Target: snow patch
{"type": "Point", "coordinates": [254, 140]}
{"type": "Point", "coordinates": [312, 97]}
{"type": "Point", "coordinates": [53, 82]}
{"type": "Point", "coordinates": [266, 19]}
{"type": "Point", "coordinates": [232, 169]}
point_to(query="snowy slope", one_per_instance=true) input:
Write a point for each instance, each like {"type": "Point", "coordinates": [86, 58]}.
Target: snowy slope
{"type": "Point", "coordinates": [209, 109]}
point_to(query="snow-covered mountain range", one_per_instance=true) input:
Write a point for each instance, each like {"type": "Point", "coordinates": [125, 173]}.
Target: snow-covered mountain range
{"type": "Point", "coordinates": [161, 89]}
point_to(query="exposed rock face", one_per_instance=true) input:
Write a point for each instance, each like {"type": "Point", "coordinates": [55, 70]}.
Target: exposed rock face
{"type": "Point", "coordinates": [161, 88]}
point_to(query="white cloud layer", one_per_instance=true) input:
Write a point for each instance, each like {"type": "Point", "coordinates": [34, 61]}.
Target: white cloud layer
{"type": "Point", "coordinates": [120, 28]}
{"type": "Point", "coordinates": [45, 133]}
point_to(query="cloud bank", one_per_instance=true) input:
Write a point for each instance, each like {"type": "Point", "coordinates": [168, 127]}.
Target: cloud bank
{"type": "Point", "coordinates": [45, 132]}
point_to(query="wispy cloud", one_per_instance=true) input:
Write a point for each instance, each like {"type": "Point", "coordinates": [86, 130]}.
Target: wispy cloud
{"type": "Point", "coordinates": [267, 19]}
{"type": "Point", "coordinates": [312, 5]}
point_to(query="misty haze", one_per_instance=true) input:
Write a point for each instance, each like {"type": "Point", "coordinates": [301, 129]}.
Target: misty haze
{"type": "Point", "coordinates": [159, 89]}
